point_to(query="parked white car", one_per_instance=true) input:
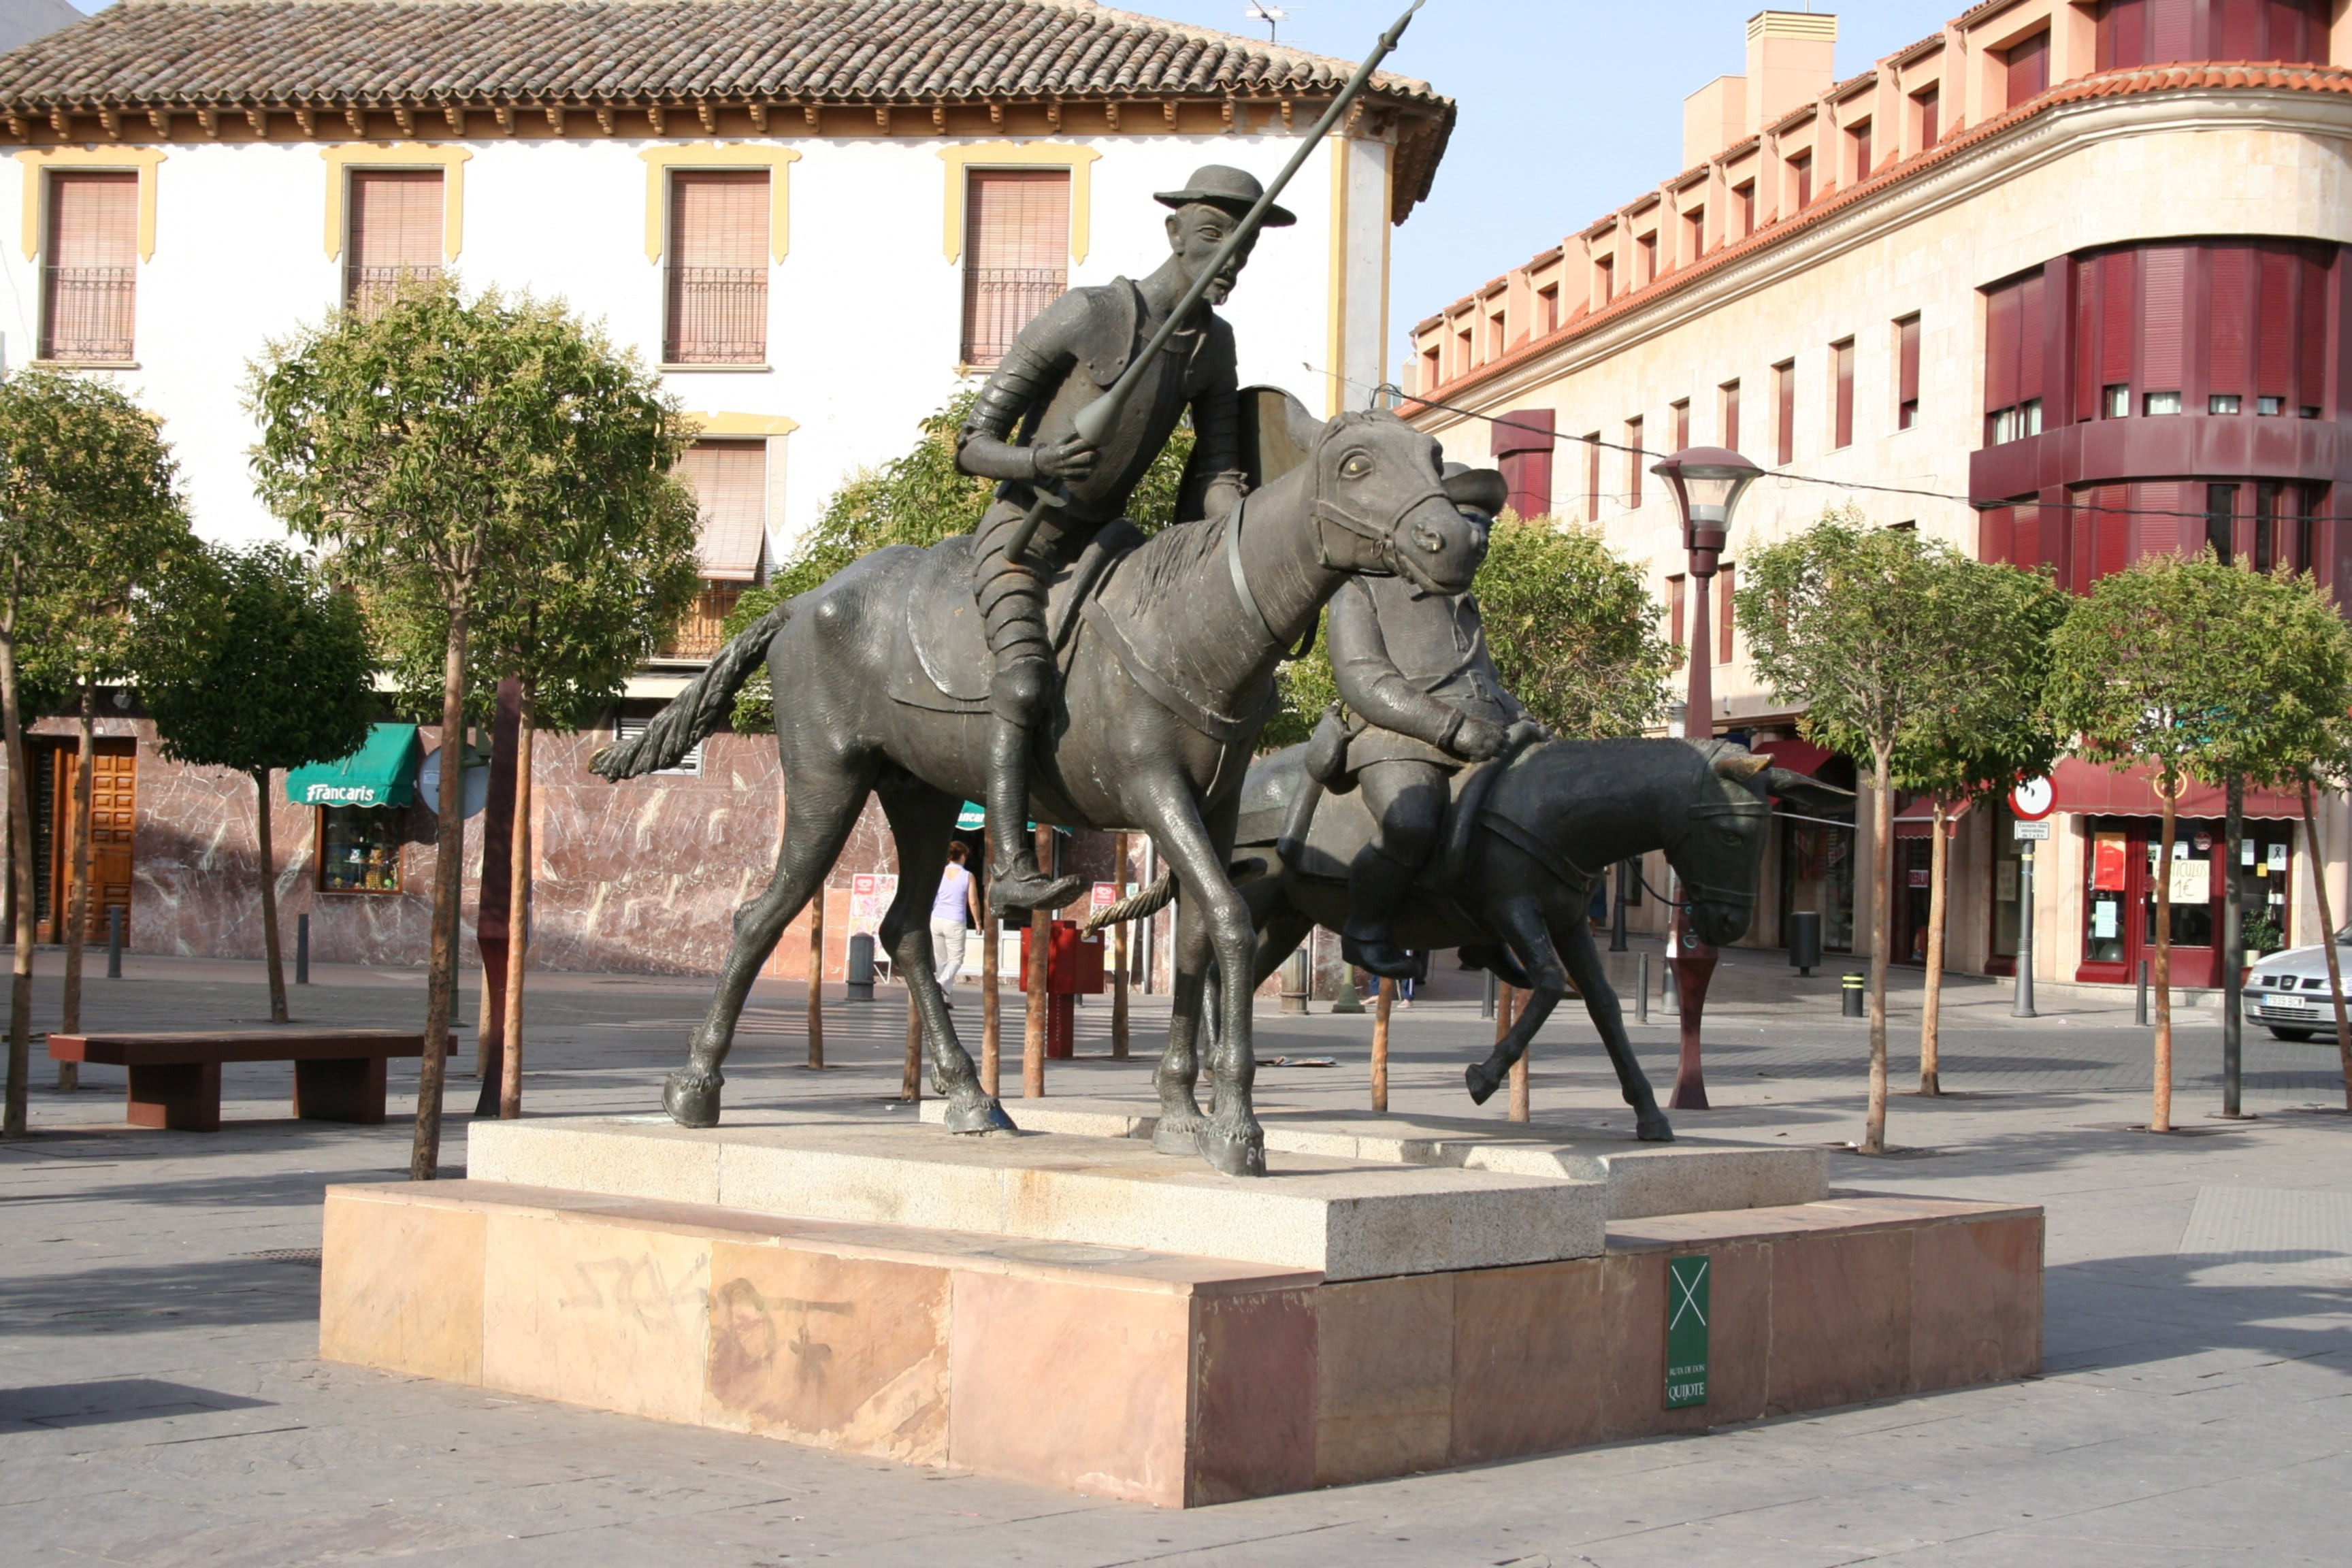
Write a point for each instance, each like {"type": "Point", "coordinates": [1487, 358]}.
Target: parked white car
{"type": "Point", "coordinates": [2287, 991]}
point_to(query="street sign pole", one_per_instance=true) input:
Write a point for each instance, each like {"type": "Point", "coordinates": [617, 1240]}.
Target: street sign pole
{"type": "Point", "coordinates": [2021, 1006]}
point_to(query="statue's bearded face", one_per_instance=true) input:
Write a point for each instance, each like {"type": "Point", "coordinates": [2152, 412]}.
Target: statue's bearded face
{"type": "Point", "coordinates": [1194, 233]}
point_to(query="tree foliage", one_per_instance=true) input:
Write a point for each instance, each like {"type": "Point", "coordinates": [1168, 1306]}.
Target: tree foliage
{"type": "Point", "coordinates": [918, 498]}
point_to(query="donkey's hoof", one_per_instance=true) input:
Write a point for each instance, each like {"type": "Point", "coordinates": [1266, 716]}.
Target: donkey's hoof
{"type": "Point", "coordinates": [1652, 1129]}
{"type": "Point", "coordinates": [977, 1113]}
{"type": "Point", "coordinates": [1483, 1081]}
{"type": "Point", "coordinates": [691, 1098]}
{"type": "Point", "coordinates": [1236, 1150]}
{"type": "Point", "coordinates": [1179, 1135]}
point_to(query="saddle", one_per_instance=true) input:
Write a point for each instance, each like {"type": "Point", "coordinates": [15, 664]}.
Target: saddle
{"type": "Point", "coordinates": [941, 660]}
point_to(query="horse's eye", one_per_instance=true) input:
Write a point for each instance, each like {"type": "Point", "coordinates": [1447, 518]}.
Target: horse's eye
{"type": "Point", "coordinates": [1732, 838]}
{"type": "Point", "coordinates": [1357, 466]}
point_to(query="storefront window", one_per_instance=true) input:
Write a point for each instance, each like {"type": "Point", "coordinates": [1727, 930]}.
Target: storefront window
{"type": "Point", "coordinates": [2006, 881]}
{"type": "Point", "coordinates": [1820, 877]}
{"type": "Point", "coordinates": [359, 850]}
{"type": "Point", "coordinates": [2110, 868]}
{"type": "Point", "coordinates": [2192, 890]}
{"type": "Point", "coordinates": [2265, 851]}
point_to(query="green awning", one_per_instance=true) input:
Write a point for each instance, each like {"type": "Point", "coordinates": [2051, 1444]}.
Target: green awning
{"type": "Point", "coordinates": [970, 817]}
{"type": "Point", "coordinates": [381, 772]}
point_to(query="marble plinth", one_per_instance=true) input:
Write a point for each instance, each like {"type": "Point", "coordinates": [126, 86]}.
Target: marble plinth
{"type": "Point", "coordinates": [1149, 1376]}
{"type": "Point", "coordinates": [1689, 1175]}
{"type": "Point", "coordinates": [1339, 1216]}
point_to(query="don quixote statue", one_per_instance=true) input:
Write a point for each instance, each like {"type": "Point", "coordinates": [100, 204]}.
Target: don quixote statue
{"type": "Point", "coordinates": [1103, 680]}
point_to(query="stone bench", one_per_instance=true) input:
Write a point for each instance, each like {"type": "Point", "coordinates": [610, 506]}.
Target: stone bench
{"type": "Point", "coordinates": [175, 1079]}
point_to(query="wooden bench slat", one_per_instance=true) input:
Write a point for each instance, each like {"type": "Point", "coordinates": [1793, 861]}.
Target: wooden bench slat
{"type": "Point", "coordinates": [194, 1049]}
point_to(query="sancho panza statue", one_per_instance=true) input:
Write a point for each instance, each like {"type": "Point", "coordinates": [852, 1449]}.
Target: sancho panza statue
{"type": "Point", "coordinates": [1022, 432]}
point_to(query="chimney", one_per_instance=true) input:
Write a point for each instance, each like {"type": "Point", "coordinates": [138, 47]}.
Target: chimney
{"type": "Point", "coordinates": [1791, 61]}
{"type": "Point", "coordinates": [1712, 119]}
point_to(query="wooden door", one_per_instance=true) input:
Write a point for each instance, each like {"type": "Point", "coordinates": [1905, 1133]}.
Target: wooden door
{"type": "Point", "coordinates": [113, 819]}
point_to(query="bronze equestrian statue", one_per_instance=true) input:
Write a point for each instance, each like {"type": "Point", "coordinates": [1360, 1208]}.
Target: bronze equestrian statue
{"type": "Point", "coordinates": [1022, 432]}
{"type": "Point", "coordinates": [1520, 869]}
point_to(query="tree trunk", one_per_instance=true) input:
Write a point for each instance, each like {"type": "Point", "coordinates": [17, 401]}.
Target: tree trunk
{"type": "Point", "coordinates": [1119, 1042]}
{"type": "Point", "coordinates": [816, 978]}
{"type": "Point", "coordinates": [1506, 1011]}
{"type": "Point", "coordinates": [20, 825]}
{"type": "Point", "coordinates": [1380, 1008]}
{"type": "Point", "coordinates": [77, 883]}
{"type": "Point", "coordinates": [2327, 942]}
{"type": "Point", "coordinates": [518, 919]}
{"type": "Point", "coordinates": [1882, 933]}
{"type": "Point", "coordinates": [272, 956]}
{"type": "Point", "coordinates": [1041, 945]}
{"type": "Point", "coordinates": [448, 872]}
{"type": "Point", "coordinates": [992, 1001]}
{"type": "Point", "coordinates": [2159, 1118]}
{"type": "Point", "coordinates": [1931, 1014]}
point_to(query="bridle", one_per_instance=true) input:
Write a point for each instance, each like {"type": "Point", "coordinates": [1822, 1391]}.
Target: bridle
{"type": "Point", "coordinates": [1694, 819]}
{"type": "Point", "coordinates": [1381, 536]}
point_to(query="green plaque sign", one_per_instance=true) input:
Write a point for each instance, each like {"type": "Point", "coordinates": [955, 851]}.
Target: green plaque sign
{"type": "Point", "coordinates": [1686, 1282]}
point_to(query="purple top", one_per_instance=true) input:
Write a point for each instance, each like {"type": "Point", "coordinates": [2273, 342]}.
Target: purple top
{"type": "Point", "coordinates": [951, 901]}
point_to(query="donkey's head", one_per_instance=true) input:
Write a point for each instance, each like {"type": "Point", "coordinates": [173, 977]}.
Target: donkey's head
{"type": "Point", "coordinates": [1717, 851]}
{"type": "Point", "coordinates": [1383, 504]}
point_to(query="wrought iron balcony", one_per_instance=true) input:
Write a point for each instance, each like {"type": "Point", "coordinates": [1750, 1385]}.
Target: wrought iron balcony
{"type": "Point", "coordinates": [89, 312]}
{"type": "Point", "coordinates": [718, 315]}
{"type": "Point", "coordinates": [997, 302]}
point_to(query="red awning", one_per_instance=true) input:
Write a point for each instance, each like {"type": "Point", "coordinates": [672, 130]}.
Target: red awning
{"type": "Point", "coordinates": [2091, 789]}
{"type": "Point", "coordinates": [1918, 819]}
{"type": "Point", "coordinates": [1797, 756]}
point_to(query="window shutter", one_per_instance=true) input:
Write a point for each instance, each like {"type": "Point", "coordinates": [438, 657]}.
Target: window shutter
{"type": "Point", "coordinates": [2170, 31]}
{"type": "Point", "coordinates": [730, 480]}
{"type": "Point", "coordinates": [2111, 545]}
{"type": "Point", "coordinates": [1592, 478]}
{"type": "Point", "coordinates": [1731, 390]}
{"type": "Point", "coordinates": [1844, 355]}
{"type": "Point", "coordinates": [2229, 306]}
{"type": "Point", "coordinates": [2087, 340]}
{"type": "Point", "coordinates": [2000, 347]}
{"type": "Point", "coordinates": [2118, 287]}
{"type": "Point", "coordinates": [1523, 446]}
{"type": "Point", "coordinates": [1931, 108]}
{"type": "Point", "coordinates": [717, 302]}
{"type": "Point", "coordinates": [2028, 68]}
{"type": "Point", "coordinates": [1634, 463]}
{"type": "Point", "coordinates": [2298, 32]}
{"type": "Point", "coordinates": [2165, 269]}
{"type": "Point", "coordinates": [1017, 255]}
{"type": "Point", "coordinates": [2273, 311]}
{"type": "Point", "coordinates": [1675, 609]}
{"type": "Point", "coordinates": [1784, 388]}
{"type": "Point", "coordinates": [2311, 362]}
{"type": "Point", "coordinates": [2030, 336]}
{"type": "Point", "coordinates": [395, 232]}
{"type": "Point", "coordinates": [1906, 383]}
{"type": "Point", "coordinates": [1724, 582]}
{"type": "Point", "coordinates": [89, 275]}
{"type": "Point", "coordinates": [1802, 165]}
{"type": "Point", "coordinates": [1862, 161]}
{"type": "Point", "coordinates": [2025, 549]}
{"type": "Point", "coordinates": [2237, 25]}
{"type": "Point", "coordinates": [2123, 34]}
{"type": "Point", "coordinates": [1681, 412]}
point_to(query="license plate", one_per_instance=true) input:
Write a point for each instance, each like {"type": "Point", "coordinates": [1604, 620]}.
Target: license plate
{"type": "Point", "coordinates": [2288, 1004]}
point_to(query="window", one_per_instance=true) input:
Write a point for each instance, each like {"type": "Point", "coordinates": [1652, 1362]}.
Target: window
{"type": "Point", "coordinates": [2028, 64]}
{"type": "Point", "coordinates": [2307, 528]}
{"type": "Point", "coordinates": [1522, 446]}
{"type": "Point", "coordinates": [1800, 173]}
{"type": "Point", "coordinates": [1727, 412]}
{"type": "Point", "coordinates": [1431, 372]}
{"type": "Point", "coordinates": [1648, 246]}
{"type": "Point", "coordinates": [1604, 280]}
{"type": "Point", "coordinates": [2169, 32]}
{"type": "Point", "coordinates": [2268, 406]}
{"type": "Point", "coordinates": [2223, 402]}
{"type": "Point", "coordinates": [1634, 458]}
{"type": "Point", "coordinates": [1906, 373]}
{"type": "Point", "coordinates": [1675, 609]}
{"type": "Point", "coordinates": [395, 234]}
{"type": "Point", "coordinates": [89, 274]}
{"type": "Point", "coordinates": [2116, 401]}
{"type": "Point", "coordinates": [2014, 423]}
{"type": "Point", "coordinates": [2267, 543]}
{"type": "Point", "coordinates": [1592, 478]}
{"type": "Point", "coordinates": [1928, 106]}
{"type": "Point", "coordinates": [1841, 367]}
{"type": "Point", "coordinates": [1745, 194]}
{"type": "Point", "coordinates": [359, 850]}
{"type": "Point", "coordinates": [1680, 413]}
{"type": "Point", "coordinates": [2162, 402]}
{"type": "Point", "coordinates": [1462, 351]}
{"type": "Point", "coordinates": [1694, 233]}
{"type": "Point", "coordinates": [730, 481]}
{"type": "Point", "coordinates": [690, 764]}
{"type": "Point", "coordinates": [1494, 337]}
{"type": "Point", "coordinates": [1784, 404]}
{"type": "Point", "coordinates": [2221, 518]}
{"type": "Point", "coordinates": [718, 273]}
{"type": "Point", "coordinates": [2016, 331]}
{"type": "Point", "coordinates": [1017, 255]}
{"type": "Point", "coordinates": [1859, 136]}
{"type": "Point", "coordinates": [1723, 625]}
{"type": "Point", "coordinates": [1547, 306]}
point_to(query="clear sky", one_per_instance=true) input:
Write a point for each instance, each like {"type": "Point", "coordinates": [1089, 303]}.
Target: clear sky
{"type": "Point", "coordinates": [1569, 109]}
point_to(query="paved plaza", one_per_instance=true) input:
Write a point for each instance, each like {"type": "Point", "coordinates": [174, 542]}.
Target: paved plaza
{"type": "Point", "coordinates": [160, 1401]}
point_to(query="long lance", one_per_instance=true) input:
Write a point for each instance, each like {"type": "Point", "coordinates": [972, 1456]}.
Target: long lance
{"type": "Point", "coordinates": [1098, 418]}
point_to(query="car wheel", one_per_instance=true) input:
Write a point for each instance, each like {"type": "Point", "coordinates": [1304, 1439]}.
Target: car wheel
{"type": "Point", "coordinates": [2298, 1036]}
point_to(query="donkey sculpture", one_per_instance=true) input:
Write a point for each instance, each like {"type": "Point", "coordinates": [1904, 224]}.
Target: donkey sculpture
{"type": "Point", "coordinates": [1168, 652]}
{"type": "Point", "coordinates": [1530, 836]}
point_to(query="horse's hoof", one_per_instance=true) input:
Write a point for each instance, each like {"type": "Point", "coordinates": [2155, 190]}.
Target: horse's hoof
{"type": "Point", "coordinates": [977, 1113]}
{"type": "Point", "coordinates": [1652, 1129]}
{"type": "Point", "coordinates": [691, 1098]}
{"type": "Point", "coordinates": [1483, 1082]}
{"type": "Point", "coordinates": [1236, 1152]}
{"type": "Point", "coordinates": [1179, 1135]}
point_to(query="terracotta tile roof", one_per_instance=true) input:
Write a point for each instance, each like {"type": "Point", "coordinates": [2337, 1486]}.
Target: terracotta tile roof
{"type": "Point", "coordinates": [2109, 84]}
{"type": "Point", "coordinates": [165, 54]}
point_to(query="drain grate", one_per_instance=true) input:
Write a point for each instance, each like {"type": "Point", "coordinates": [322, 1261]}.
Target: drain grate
{"type": "Point", "coordinates": [302, 1256]}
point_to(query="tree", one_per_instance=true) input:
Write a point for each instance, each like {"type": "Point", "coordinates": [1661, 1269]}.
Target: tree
{"type": "Point", "coordinates": [2189, 668]}
{"type": "Point", "coordinates": [1986, 727]}
{"type": "Point", "coordinates": [1573, 626]}
{"type": "Point", "coordinates": [1866, 626]}
{"type": "Point", "coordinates": [568, 623]}
{"type": "Point", "coordinates": [86, 485]}
{"type": "Point", "coordinates": [426, 447]}
{"type": "Point", "coordinates": [250, 661]}
{"type": "Point", "coordinates": [918, 498]}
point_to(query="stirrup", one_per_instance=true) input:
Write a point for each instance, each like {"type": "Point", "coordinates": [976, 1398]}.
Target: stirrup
{"type": "Point", "coordinates": [1026, 887]}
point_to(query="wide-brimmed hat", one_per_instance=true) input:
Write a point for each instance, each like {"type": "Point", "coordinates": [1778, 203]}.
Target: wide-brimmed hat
{"type": "Point", "coordinates": [1234, 190]}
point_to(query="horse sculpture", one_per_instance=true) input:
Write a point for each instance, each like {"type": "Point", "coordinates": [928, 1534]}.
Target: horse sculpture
{"type": "Point", "coordinates": [1524, 850]}
{"type": "Point", "coordinates": [1167, 651]}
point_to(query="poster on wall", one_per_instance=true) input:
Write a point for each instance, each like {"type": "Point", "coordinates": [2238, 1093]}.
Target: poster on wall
{"type": "Point", "coordinates": [2107, 863]}
{"type": "Point", "coordinates": [870, 893]}
{"type": "Point", "coordinates": [2192, 881]}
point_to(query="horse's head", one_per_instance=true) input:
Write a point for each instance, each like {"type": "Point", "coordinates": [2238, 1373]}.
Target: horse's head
{"type": "Point", "coordinates": [1384, 505]}
{"type": "Point", "coordinates": [1719, 853]}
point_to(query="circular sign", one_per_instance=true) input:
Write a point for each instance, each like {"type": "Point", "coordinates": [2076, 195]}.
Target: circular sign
{"type": "Point", "coordinates": [2033, 799]}
{"type": "Point", "coordinates": [475, 786]}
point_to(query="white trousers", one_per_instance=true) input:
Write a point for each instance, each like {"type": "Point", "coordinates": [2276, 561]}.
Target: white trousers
{"type": "Point", "coordinates": [947, 938]}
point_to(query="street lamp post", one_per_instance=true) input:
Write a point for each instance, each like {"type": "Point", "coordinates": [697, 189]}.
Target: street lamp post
{"type": "Point", "coordinates": [1708, 482]}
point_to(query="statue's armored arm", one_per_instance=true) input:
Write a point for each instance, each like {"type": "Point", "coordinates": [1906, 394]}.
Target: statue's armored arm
{"type": "Point", "coordinates": [1372, 686]}
{"type": "Point", "coordinates": [985, 447]}
{"type": "Point", "coordinates": [1216, 465]}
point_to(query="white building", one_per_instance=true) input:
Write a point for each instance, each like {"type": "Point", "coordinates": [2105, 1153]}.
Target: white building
{"type": "Point", "coordinates": [817, 218]}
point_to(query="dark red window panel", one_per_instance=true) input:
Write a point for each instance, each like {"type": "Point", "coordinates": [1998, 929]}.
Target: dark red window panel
{"type": "Point", "coordinates": [1842, 358]}
{"type": "Point", "coordinates": [1731, 390]}
{"type": "Point", "coordinates": [2311, 357]}
{"type": "Point", "coordinates": [1802, 165]}
{"type": "Point", "coordinates": [1523, 445]}
{"type": "Point", "coordinates": [1930, 118]}
{"type": "Point", "coordinates": [1723, 625]}
{"type": "Point", "coordinates": [2228, 303]}
{"type": "Point", "coordinates": [2169, 32]}
{"type": "Point", "coordinates": [2274, 329]}
{"type": "Point", "coordinates": [1675, 609]}
{"type": "Point", "coordinates": [1592, 478]}
{"type": "Point", "coordinates": [1635, 461]}
{"type": "Point", "coordinates": [1906, 373]}
{"type": "Point", "coordinates": [1681, 412]}
{"type": "Point", "coordinates": [1784, 396]}
{"type": "Point", "coordinates": [2164, 275]}
{"type": "Point", "coordinates": [2110, 531]}
{"type": "Point", "coordinates": [2029, 68]}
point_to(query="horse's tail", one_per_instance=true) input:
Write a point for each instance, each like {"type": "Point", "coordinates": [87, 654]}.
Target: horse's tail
{"type": "Point", "coordinates": [1150, 901]}
{"type": "Point", "coordinates": [697, 711]}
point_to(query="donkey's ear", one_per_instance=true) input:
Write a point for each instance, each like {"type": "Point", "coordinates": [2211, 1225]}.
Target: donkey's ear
{"type": "Point", "coordinates": [1799, 789]}
{"type": "Point", "coordinates": [1478, 489]}
{"type": "Point", "coordinates": [1739, 766]}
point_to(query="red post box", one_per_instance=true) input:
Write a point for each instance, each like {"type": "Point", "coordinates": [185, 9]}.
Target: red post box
{"type": "Point", "coordinates": [1074, 967]}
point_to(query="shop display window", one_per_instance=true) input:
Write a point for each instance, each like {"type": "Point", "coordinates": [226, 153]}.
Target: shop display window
{"type": "Point", "coordinates": [359, 850]}
{"type": "Point", "coordinates": [1819, 875]}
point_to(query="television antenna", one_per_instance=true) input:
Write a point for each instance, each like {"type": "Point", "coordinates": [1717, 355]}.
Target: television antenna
{"type": "Point", "coordinates": [1272, 15]}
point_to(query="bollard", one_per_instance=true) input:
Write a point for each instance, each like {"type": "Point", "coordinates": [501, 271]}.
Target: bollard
{"type": "Point", "coordinates": [1853, 995]}
{"type": "Point", "coordinates": [1487, 997]}
{"type": "Point", "coordinates": [1805, 941]}
{"type": "Point", "coordinates": [1670, 990]}
{"type": "Point", "coordinates": [2139, 999]}
{"type": "Point", "coordinates": [114, 941]}
{"type": "Point", "coordinates": [1344, 996]}
{"type": "Point", "coordinates": [860, 973]}
{"type": "Point", "coordinates": [1642, 992]}
{"type": "Point", "coordinates": [302, 950]}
